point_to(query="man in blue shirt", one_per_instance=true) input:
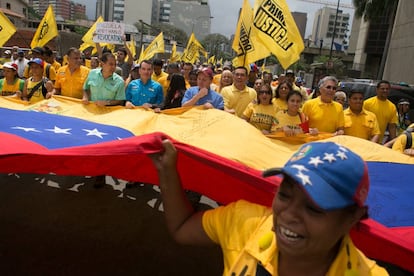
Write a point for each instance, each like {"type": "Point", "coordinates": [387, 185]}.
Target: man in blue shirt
{"type": "Point", "coordinates": [144, 91]}
{"type": "Point", "coordinates": [202, 93]}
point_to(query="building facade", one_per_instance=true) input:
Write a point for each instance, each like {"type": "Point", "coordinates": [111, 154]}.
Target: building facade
{"type": "Point", "coordinates": [323, 30]}
{"type": "Point", "coordinates": [16, 11]}
{"type": "Point", "coordinates": [64, 9]}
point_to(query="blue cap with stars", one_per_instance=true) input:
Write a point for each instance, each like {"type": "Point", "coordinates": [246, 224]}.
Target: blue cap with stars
{"type": "Point", "coordinates": [333, 176]}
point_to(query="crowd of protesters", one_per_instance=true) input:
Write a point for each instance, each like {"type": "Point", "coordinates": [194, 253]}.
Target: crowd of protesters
{"type": "Point", "coordinates": [270, 103]}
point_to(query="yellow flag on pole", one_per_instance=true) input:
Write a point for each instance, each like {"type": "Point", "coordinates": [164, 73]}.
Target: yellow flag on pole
{"type": "Point", "coordinates": [141, 55]}
{"type": "Point", "coordinates": [46, 31]}
{"type": "Point", "coordinates": [175, 56]}
{"type": "Point", "coordinates": [193, 50]}
{"type": "Point", "coordinates": [275, 27]}
{"type": "Point", "coordinates": [131, 47]}
{"type": "Point", "coordinates": [7, 29]}
{"type": "Point", "coordinates": [155, 47]}
{"type": "Point", "coordinates": [246, 44]}
{"type": "Point", "coordinates": [88, 37]}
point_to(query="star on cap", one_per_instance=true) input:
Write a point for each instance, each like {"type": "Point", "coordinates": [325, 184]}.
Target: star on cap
{"type": "Point", "coordinates": [315, 161]}
{"type": "Point", "coordinates": [304, 178]}
{"type": "Point", "coordinates": [342, 155]}
{"type": "Point", "coordinates": [95, 132]}
{"type": "Point", "coordinates": [329, 157]}
{"type": "Point", "coordinates": [300, 168]}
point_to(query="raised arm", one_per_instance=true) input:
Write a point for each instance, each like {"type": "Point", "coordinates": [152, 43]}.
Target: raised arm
{"type": "Point", "coordinates": [182, 221]}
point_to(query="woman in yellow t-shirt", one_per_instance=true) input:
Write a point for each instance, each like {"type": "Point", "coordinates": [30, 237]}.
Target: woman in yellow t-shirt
{"type": "Point", "coordinates": [292, 121]}
{"type": "Point", "coordinates": [11, 84]}
{"type": "Point", "coordinates": [33, 90]}
{"type": "Point", "coordinates": [280, 99]}
{"type": "Point", "coordinates": [261, 114]}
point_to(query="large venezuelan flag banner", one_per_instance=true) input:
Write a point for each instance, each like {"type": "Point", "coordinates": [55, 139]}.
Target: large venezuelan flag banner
{"type": "Point", "coordinates": [220, 156]}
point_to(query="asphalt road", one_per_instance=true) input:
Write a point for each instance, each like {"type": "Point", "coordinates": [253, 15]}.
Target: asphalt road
{"type": "Point", "coordinates": [52, 225]}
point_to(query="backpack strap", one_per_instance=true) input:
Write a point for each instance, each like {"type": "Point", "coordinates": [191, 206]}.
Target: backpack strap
{"type": "Point", "coordinates": [409, 142]}
{"type": "Point", "coordinates": [34, 89]}
{"type": "Point", "coordinates": [48, 70]}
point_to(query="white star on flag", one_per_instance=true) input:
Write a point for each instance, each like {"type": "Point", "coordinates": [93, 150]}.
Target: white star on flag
{"type": "Point", "coordinates": [26, 129]}
{"type": "Point", "coordinates": [329, 157]}
{"type": "Point", "coordinates": [315, 161]}
{"type": "Point", "coordinates": [342, 155]}
{"type": "Point", "coordinates": [60, 130]}
{"type": "Point", "coordinates": [299, 167]}
{"type": "Point", "coordinates": [304, 178]}
{"type": "Point", "coordinates": [95, 132]}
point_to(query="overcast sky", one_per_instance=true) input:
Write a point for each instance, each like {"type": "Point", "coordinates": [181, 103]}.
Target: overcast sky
{"type": "Point", "coordinates": [225, 12]}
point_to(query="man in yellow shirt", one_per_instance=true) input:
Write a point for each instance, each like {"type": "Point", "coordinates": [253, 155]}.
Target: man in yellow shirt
{"type": "Point", "coordinates": [172, 68]}
{"type": "Point", "coordinates": [403, 143]}
{"type": "Point", "coordinates": [358, 121]}
{"type": "Point", "coordinates": [323, 112]}
{"type": "Point", "coordinates": [384, 109]}
{"type": "Point", "coordinates": [238, 95]}
{"type": "Point", "coordinates": [70, 78]}
{"type": "Point", "coordinates": [157, 70]}
{"type": "Point", "coordinates": [48, 70]}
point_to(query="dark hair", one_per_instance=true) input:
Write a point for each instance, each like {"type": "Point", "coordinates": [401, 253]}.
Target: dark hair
{"type": "Point", "coordinates": [193, 72]}
{"type": "Point", "coordinates": [157, 62]}
{"type": "Point", "coordinates": [106, 56]}
{"type": "Point", "coordinates": [277, 94]}
{"type": "Point", "coordinates": [147, 62]}
{"type": "Point", "coordinates": [268, 88]}
{"type": "Point", "coordinates": [382, 82]}
{"type": "Point", "coordinates": [354, 91]}
{"type": "Point", "coordinates": [47, 51]}
{"type": "Point", "coordinates": [123, 50]}
{"type": "Point", "coordinates": [72, 50]}
{"type": "Point", "coordinates": [241, 67]}
{"type": "Point", "coordinates": [292, 93]}
{"type": "Point", "coordinates": [177, 83]}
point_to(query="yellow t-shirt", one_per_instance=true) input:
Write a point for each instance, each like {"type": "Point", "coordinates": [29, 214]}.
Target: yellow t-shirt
{"type": "Point", "coordinates": [237, 99]}
{"type": "Point", "coordinates": [71, 85]}
{"type": "Point", "coordinates": [326, 117]}
{"type": "Point", "coordinates": [385, 111]}
{"type": "Point", "coordinates": [279, 104]}
{"type": "Point", "coordinates": [165, 83]}
{"type": "Point", "coordinates": [260, 116]}
{"type": "Point", "coordinates": [363, 125]}
{"type": "Point", "coordinates": [10, 89]}
{"type": "Point", "coordinates": [37, 95]}
{"type": "Point", "coordinates": [240, 226]}
{"type": "Point", "coordinates": [284, 119]}
{"type": "Point", "coordinates": [155, 77]}
{"type": "Point", "coordinates": [401, 141]}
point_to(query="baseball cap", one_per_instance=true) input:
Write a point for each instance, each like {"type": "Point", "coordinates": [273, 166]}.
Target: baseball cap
{"type": "Point", "coordinates": [403, 101]}
{"type": "Point", "coordinates": [254, 68]}
{"type": "Point", "coordinates": [10, 65]}
{"type": "Point", "coordinates": [290, 72]}
{"type": "Point", "coordinates": [20, 52]}
{"type": "Point", "coordinates": [332, 176]}
{"type": "Point", "coordinates": [206, 71]}
{"type": "Point", "coordinates": [37, 61]}
{"type": "Point", "coordinates": [135, 66]}
{"type": "Point", "coordinates": [38, 50]}
{"type": "Point", "coordinates": [7, 52]}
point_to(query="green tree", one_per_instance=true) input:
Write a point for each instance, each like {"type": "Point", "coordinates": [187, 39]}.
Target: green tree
{"type": "Point", "coordinates": [217, 45]}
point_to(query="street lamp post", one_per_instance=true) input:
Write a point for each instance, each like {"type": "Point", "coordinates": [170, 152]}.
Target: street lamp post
{"type": "Point", "coordinates": [334, 30]}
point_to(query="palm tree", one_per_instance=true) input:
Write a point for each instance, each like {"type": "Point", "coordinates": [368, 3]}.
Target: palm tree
{"type": "Point", "coordinates": [372, 10]}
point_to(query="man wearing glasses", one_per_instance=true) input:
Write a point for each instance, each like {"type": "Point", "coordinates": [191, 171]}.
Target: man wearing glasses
{"type": "Point", "coordinates": [325, 115]}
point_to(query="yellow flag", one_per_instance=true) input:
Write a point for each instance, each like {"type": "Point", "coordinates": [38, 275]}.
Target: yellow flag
{"type": "Point", "coordinates": [88, 37]}
{"type": "Point", "coordinates": [46, 31]}
{"type": "Point", "coordinates": [7, 29]}
{"type": "Point", "coordinates": [193, 50]}
{"type": "Point", "coordinates": [175, 56]}
{"type": "Point", "coordinates": [155, 47]}
{"type": "Point", "coordinates": [131, 47]}
{"type": "Point", "coordinates": [141, 55]}
{"type": "Point", "coordinates": [212, 60]}
{"type": "Point", "coordinates": [246, 44]}
{"type": "Point", "coordinates": [276, 28]}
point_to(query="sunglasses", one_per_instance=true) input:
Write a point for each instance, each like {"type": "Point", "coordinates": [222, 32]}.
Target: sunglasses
{"type": "Point", "coordinates": [265, 92]}
{"type": "Point", "coordinates": [331, 87]}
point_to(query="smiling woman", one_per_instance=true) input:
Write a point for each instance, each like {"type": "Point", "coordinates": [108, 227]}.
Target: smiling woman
{"type": "Point", "coordinates": [306, 232]}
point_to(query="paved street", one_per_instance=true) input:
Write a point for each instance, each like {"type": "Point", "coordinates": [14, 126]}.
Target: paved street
{"type": "Point", "coordinates": [63, 226]}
